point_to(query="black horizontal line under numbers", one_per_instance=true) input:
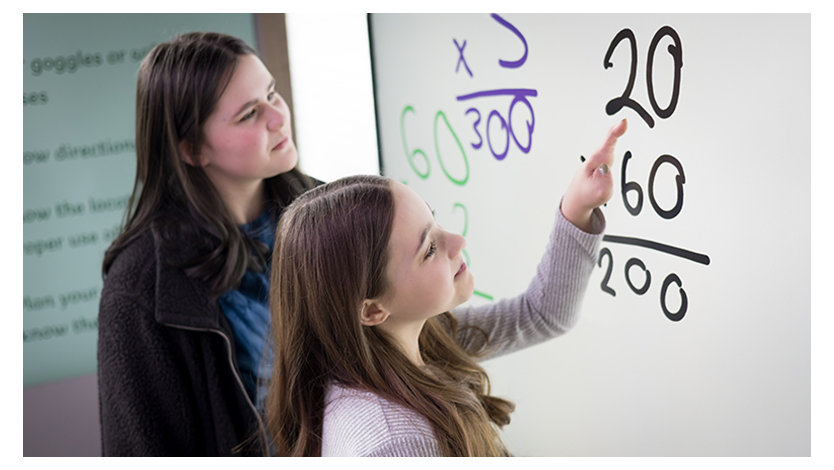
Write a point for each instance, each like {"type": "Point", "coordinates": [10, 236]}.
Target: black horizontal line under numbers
{"type": "Point", "coordinates": [672, 250]}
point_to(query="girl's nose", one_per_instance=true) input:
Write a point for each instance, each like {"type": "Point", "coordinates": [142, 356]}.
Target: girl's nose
{"type": "Point", "coordinates": [455, 243]}
{"type": "Point", "coordinates": [275, 118]}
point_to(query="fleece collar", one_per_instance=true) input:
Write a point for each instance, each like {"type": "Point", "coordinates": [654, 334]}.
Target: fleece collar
{"type": "Point", "coordinates": [180, 300]}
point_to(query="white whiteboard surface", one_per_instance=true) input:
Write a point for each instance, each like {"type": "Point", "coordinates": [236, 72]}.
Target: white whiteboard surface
{"type": "Point", "coordinates": [730, 375]}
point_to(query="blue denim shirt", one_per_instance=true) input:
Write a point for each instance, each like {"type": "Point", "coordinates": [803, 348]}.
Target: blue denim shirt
{"type": "Point", "coordinates": [247, 309]}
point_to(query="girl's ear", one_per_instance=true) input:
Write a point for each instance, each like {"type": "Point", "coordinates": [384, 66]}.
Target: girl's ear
{"type": "Point", "coordinates": [372, 313]}
{"type": "Point", "coordinates": [187, 156]}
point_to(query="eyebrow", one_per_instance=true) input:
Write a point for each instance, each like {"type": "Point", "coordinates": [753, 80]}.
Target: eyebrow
{"type": "Point", "coordinates": [255, 100]}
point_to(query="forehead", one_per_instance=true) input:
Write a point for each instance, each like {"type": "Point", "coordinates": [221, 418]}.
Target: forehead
{"type": "Point", "coordinates": [249, 79]}
{"type": "Point", "coordinates": [411, 215]}
{"type": "Point", "coordinates": [406, 200]}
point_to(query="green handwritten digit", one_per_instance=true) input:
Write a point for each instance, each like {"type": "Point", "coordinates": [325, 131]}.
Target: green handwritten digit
{"type": "Point", "coordinates": [457, 181]}
{"type": "Point", "coordinates": [410, 155]}
{"type": "Point", "coordinates": [465, 253]}
{"type": "Point", "coordinates": [481, 294]}
{"type": "Point", "coordinates": [465, 228]}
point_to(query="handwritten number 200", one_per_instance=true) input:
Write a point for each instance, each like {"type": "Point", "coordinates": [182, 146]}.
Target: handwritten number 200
{"type": "Point", "coordinates": [672, 278]}
{"type": "Point", "coordinates": [675, 49]}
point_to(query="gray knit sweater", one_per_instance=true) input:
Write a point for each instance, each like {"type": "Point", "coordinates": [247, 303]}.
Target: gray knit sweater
{"type": "Point", "coordinates": [361, 423]}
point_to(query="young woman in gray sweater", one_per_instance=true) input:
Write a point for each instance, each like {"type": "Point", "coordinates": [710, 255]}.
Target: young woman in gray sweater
{"type": "Point", "coordinates": [374, 355]}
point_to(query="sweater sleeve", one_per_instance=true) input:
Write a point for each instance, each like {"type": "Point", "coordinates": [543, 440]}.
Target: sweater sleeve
{"type": "Point", "coordinates": [549, 307]}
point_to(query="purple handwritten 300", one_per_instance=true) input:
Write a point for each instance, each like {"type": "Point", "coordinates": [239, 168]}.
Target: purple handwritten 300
{"type": "Point", "coordinates": [519, 95]}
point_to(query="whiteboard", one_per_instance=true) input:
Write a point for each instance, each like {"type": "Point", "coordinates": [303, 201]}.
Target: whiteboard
{"type": "Point", "coordinates": [488, 116]}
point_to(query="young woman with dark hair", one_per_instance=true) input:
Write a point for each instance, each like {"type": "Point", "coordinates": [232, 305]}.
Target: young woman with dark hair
{"type": "Point", "coordinates": [183, 318]}
{"type": "Point", "coordinates": [375, 356]}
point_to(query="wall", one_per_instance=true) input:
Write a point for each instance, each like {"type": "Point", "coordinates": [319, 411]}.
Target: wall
{"type": "Point", "coordinates": [331, 78]}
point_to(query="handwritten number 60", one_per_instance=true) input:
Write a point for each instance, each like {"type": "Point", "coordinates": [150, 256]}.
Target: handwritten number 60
{"type": "Point", "coordinates": [675, 50]}
{"type": "Point", "coordinates": [629, 186]}
{"type": "Point", "coordinates": [412, 155]}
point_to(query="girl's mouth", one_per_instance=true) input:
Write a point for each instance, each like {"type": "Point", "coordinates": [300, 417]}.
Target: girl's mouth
{"type": "Point", "coordinates": [461, 269]}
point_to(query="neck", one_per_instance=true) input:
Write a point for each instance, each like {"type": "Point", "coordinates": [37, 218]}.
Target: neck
{"type": "Point", "coordinates": [244, 201]}
{"type": "Point", "coordinates": [407, 338]}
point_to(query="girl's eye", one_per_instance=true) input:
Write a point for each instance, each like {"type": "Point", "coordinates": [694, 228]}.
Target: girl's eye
{"type": "Point", "coordinates": [248, 115]}
{"type": "Point", "coordinates": [432, 249]}
{"type": "Point", "coordinates": [272, 95]}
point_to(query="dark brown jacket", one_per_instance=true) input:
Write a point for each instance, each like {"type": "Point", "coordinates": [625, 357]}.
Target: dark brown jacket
{"type": "Point", "coordinates": [168, 377]}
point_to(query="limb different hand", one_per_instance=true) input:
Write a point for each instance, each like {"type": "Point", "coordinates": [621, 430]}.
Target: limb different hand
{"type": "Point", "coordinates": [593, 184]}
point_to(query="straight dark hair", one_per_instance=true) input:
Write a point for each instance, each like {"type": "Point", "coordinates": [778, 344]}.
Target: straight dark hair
{"type": "Point", "coordinates": [178, 87]}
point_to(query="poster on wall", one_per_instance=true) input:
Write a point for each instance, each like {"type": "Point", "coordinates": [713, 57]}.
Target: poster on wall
{"type": "Point", "coordinates": [79, 164]}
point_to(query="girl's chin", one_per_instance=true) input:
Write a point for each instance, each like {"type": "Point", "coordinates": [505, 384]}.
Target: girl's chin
{"type": "Point", "coordinates": [287, 163]}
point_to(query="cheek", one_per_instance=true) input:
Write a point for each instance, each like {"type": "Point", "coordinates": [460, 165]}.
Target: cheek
{"type": "Point", "coordinates": [418, 292]}
{"type": "Point", "coordinates": [241, 149]}
{"type": "Point", "coordinates": [250, 141]}
{"type": "Point", "coordinates": [434, 285]}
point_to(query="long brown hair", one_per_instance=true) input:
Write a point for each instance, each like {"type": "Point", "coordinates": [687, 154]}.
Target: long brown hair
{"type": "Point", "coordinates": [331, 253]}
{"type": "Point", "coordinates": [178, 87]}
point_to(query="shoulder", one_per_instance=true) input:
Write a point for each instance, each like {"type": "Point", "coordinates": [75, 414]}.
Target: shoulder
{"type": "Point", "coordinates": [134, 268]}
{"type": "Point", "coordinates": [358, 422]}
{"type": "Point", "coordinates": [126, 304]}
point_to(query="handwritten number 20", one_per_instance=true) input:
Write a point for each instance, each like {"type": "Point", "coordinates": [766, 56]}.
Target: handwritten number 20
{"type": "Point", "coordinates": [675, 49]}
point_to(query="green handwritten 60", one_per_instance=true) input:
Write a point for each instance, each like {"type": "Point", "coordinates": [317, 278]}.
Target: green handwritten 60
{"type": "Point", "coordinates": [417, 154]}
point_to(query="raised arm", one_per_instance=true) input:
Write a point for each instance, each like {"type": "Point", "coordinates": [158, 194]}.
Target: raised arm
{"type": "Point", "coordinates": [551, 304]}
